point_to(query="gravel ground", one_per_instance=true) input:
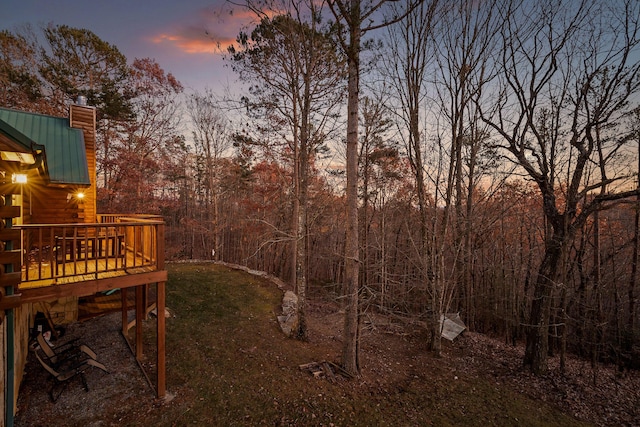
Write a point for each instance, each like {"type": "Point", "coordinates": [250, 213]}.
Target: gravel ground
{"type": "Point", "coordinates": [123, 390]}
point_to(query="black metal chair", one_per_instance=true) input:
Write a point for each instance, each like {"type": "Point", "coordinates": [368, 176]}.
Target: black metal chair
{"type": "Point", "coordinates": [61, 377]}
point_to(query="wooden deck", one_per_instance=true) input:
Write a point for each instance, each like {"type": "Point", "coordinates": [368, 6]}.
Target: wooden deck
{"type": "Point", "coordinates": [82, 259]}
{"type": "Point", "coordinates": [42, 274]}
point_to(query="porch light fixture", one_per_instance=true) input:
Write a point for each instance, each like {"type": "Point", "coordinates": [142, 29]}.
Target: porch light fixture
{"type": "Point", "coordinates": [79, 196]}
{"type": "Point", "coordinates": [19, 178]}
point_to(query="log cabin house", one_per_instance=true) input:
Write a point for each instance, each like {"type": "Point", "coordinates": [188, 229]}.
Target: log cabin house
{"type": "Point", "coordinates": [55, 248]}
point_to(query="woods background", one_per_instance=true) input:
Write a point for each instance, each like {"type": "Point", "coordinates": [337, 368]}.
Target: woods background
{"type": "Point", "coordinates": [497, 160]}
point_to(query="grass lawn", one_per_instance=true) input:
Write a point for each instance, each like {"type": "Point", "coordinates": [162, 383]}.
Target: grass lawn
{"type": "Point", "coordinates": [228, 364]}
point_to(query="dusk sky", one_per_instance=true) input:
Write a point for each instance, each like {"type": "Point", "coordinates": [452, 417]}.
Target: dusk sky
{"type": "Point", "coordinates": [184, 37]}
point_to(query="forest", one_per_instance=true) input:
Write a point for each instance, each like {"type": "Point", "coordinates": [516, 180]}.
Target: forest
{"type": "Point", "coordinates": [410, 158]}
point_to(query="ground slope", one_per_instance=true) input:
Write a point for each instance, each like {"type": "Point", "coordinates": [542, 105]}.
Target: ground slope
{"type": "Point", "coordinates": [228, 364]}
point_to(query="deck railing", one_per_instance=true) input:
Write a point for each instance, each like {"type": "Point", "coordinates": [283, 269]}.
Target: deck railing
{"type": "Point", "coordinates": [117, 244]}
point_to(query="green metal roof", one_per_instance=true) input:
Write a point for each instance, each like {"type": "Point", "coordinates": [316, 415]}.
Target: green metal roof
{"type": "Point", "coordinates": [65, 152]}
{"type": "Point", "coordinates": [20, 142]}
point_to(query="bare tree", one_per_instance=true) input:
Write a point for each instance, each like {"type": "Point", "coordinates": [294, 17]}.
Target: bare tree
{"type": "Point", "coordinates": [463, 39]}
{"type": "Point", "coordinates": [566, 75]}
{"type": "Point", "coordinates": [408, 66]}
{"type": "Point", "coordinates": [355, 18]}
{"type": "Point", "coordinates": [635, 261]}
{"type": "Point", "coordinates": [211, 138]}
{"type": "Point", "coordinates": [379, 164]}
{"type": "Point", "coordinates": [297, 73]}
{"type": "Point", "coordinates": [152, 138]}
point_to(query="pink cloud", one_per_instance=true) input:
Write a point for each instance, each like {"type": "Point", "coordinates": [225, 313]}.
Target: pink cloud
{"type": "Point", "coordinates": [205, 43]}
{"type": "Point", "coordinates": [211, 30]}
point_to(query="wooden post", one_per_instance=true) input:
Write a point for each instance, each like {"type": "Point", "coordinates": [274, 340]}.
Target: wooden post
{"type": "Point", "coordinates": [145, 300]}
{"type": "Point", "coordinates": [140, 310]}
{"type": "Point", "coordinates": [125, 305]}
{"type": "Point", "coordinates": [161, 386]}
{"type": "Point", "coordinates": [160, 305]}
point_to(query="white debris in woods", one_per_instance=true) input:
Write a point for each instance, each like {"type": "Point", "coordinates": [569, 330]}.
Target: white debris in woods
{"type": "Point", "coordinates": [451, 325]}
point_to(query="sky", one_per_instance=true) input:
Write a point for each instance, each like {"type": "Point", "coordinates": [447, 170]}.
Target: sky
{"type": "Point", "coordinates": [185, 37]}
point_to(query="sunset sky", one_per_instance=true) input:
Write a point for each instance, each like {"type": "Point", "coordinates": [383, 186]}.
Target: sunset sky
{"type": "Point", "coordinates": [185, 37]}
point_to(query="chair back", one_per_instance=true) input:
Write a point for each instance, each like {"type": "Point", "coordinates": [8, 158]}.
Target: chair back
{"type": "Point", "coordinates": [46, 366]}
{"type": "Point", "coordinates": [46, 348]}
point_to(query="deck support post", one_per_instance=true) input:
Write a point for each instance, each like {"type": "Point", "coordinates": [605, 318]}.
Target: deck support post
{"type": "Point", "coordinates": [161, 302]}
{"type": "Point", "coordinates": [140, 310]}
{"type": "Point", "coordinates": [161, 362]}
{"type": "Point", "coordinates": [125, 312]}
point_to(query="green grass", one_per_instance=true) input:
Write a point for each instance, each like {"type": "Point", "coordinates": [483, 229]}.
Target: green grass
{"type": "Point", "coordinates": [228, 364]}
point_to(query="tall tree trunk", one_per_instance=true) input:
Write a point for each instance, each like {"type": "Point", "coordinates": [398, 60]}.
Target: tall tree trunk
{"type": "Point", "coordinates": [300, 236]}
{"type": "Point", "coordinates": [299, 286]}
{"type": "Point", "coordinates": [631, 319]}
{"type": "Point", "coordinates": [537, 345]}
{"type": "Point", "coordinates": [350, 360]}
{"type": "Point", "coordinates": [301, 266]}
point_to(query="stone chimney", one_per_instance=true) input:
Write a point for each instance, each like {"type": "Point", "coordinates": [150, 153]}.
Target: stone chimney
{"type": "Point", "coordinates": [83, 117]}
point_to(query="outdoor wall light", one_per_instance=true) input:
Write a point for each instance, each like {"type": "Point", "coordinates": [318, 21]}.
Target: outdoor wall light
{"type": "Point", "coordinates": [78, 196]}
{"type": "Point", "coordinates": [19, 178]}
